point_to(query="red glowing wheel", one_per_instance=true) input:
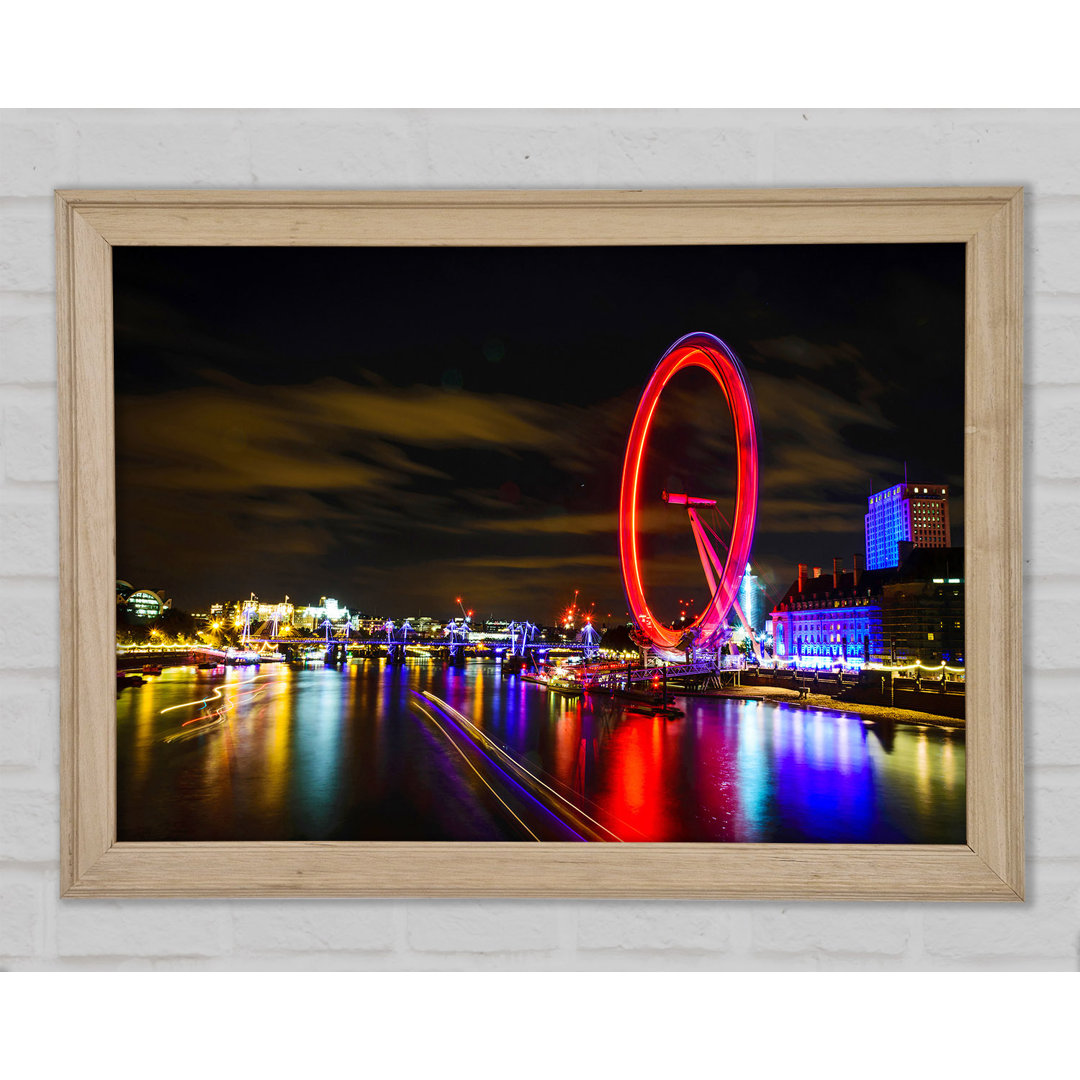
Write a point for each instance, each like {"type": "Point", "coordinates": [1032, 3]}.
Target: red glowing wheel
{"type": "Point", "coordinates": [709, 352]}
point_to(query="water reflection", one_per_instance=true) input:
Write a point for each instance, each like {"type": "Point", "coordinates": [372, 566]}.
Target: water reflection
{"type": "Point", "coordinates": [318, 753]}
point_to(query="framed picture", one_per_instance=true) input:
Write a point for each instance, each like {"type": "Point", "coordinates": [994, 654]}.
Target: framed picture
{"type": "Point", "coordinates": [541, 543]}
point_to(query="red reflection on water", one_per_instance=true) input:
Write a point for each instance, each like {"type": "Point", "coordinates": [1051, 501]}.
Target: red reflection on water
{"type": "Point", "coordinates": [567, 742]}
{"type": "Point", "coordinates": [633, 772]}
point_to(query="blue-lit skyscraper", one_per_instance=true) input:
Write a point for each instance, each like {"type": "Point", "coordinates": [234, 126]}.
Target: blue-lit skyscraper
{"type": "Point", "coordinates": [752, 602]}
{"type": "Point", "coordinates": [915, 512]}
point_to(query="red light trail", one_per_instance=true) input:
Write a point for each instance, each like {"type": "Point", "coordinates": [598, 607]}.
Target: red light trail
{"type": "Point", "coordinates": [710, 353]}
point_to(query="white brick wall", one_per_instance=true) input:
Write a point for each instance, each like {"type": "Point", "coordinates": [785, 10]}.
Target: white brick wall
{"type": "Point", "coordinates": [47, 149]}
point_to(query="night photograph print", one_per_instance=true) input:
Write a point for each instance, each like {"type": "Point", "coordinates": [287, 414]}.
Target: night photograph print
{"type": "Point", "coordinates": [548, 544]}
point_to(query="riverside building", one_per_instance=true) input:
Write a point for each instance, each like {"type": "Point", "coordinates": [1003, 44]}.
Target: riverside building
{"type": "Point", "coordinates": [850, 618]}
{"type": "Point", "coordinates": [906, 513]}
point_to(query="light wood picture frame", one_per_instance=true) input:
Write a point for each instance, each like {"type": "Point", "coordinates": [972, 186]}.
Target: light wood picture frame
{"type": "Point", "coordinates": [990, 866]}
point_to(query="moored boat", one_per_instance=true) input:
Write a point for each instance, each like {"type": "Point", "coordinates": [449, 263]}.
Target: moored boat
{"type": "Point", "coordinates": [570, 687]}
{"type": "Point", "coordinates": [669, 712]}
{"type": "Point", "coordinates": [241, 657]}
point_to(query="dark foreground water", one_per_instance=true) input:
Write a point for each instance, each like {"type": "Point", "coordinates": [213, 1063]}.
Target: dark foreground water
{"type": "Point", "coordinates": [355, 754]}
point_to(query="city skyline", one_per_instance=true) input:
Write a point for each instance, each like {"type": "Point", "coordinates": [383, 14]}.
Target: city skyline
{"type": "Point", "coordinates": [392, 427]}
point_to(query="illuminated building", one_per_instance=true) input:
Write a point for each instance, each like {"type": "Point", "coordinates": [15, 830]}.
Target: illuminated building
{"type": "Point", "coordinates": [918, 513]}
{"type": "Point", "coordinates": [141, 605]}
{"type": "Point", "coordinates": [823, 621]}
{"type": "Point", "coordinates": [281, 613]}
{"type": "Point", "coordinates": [252, 611]}
{"type": "Point", "coordinates": [229, 613]}
{"type": "Point", "coordinates": [752, 601]}
{"type": "Point", "coordinates": [327, 608]}
{"type": "Point", "coordinates": [923, 609]}
{"type": "Point", "coordinates": [893, 615]}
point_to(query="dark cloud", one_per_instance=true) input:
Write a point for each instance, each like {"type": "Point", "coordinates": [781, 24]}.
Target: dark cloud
{"type": "Point", "coordinates": [400, 427]}
{"type": "Point", "coordinates": [564, 524]}
{"type": "Point", "coordinates": [250, 437]}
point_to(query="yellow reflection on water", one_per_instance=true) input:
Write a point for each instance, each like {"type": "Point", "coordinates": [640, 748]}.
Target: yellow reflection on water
{"type": "Point", "coordinates": [264, 719]}
{"type": "Point", "coordinates": [145, 719]}
{"type": "Point", "coordinates": [478, 688]}
{"type": "Point", "coordinates": [948, 765]}
{"type": "Point", "coordinates": [922, 764]}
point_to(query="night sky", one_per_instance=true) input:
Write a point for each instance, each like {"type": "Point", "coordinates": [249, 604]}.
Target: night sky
{"type": "Point", "coordinates": [395, 427]}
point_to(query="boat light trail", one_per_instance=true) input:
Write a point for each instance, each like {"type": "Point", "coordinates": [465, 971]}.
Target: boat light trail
{"type": "Point", "coordinates": [221, 713]}
{"type": "Point", "coordinates": [453, 716]}
{"type": "Point", "coordinates": [487, 743]}
{"type": "Point", "coordinates": [431, 717]}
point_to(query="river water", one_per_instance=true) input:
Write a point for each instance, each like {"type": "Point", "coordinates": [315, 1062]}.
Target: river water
{"type": "Point", "coordinates": [287, 753]}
